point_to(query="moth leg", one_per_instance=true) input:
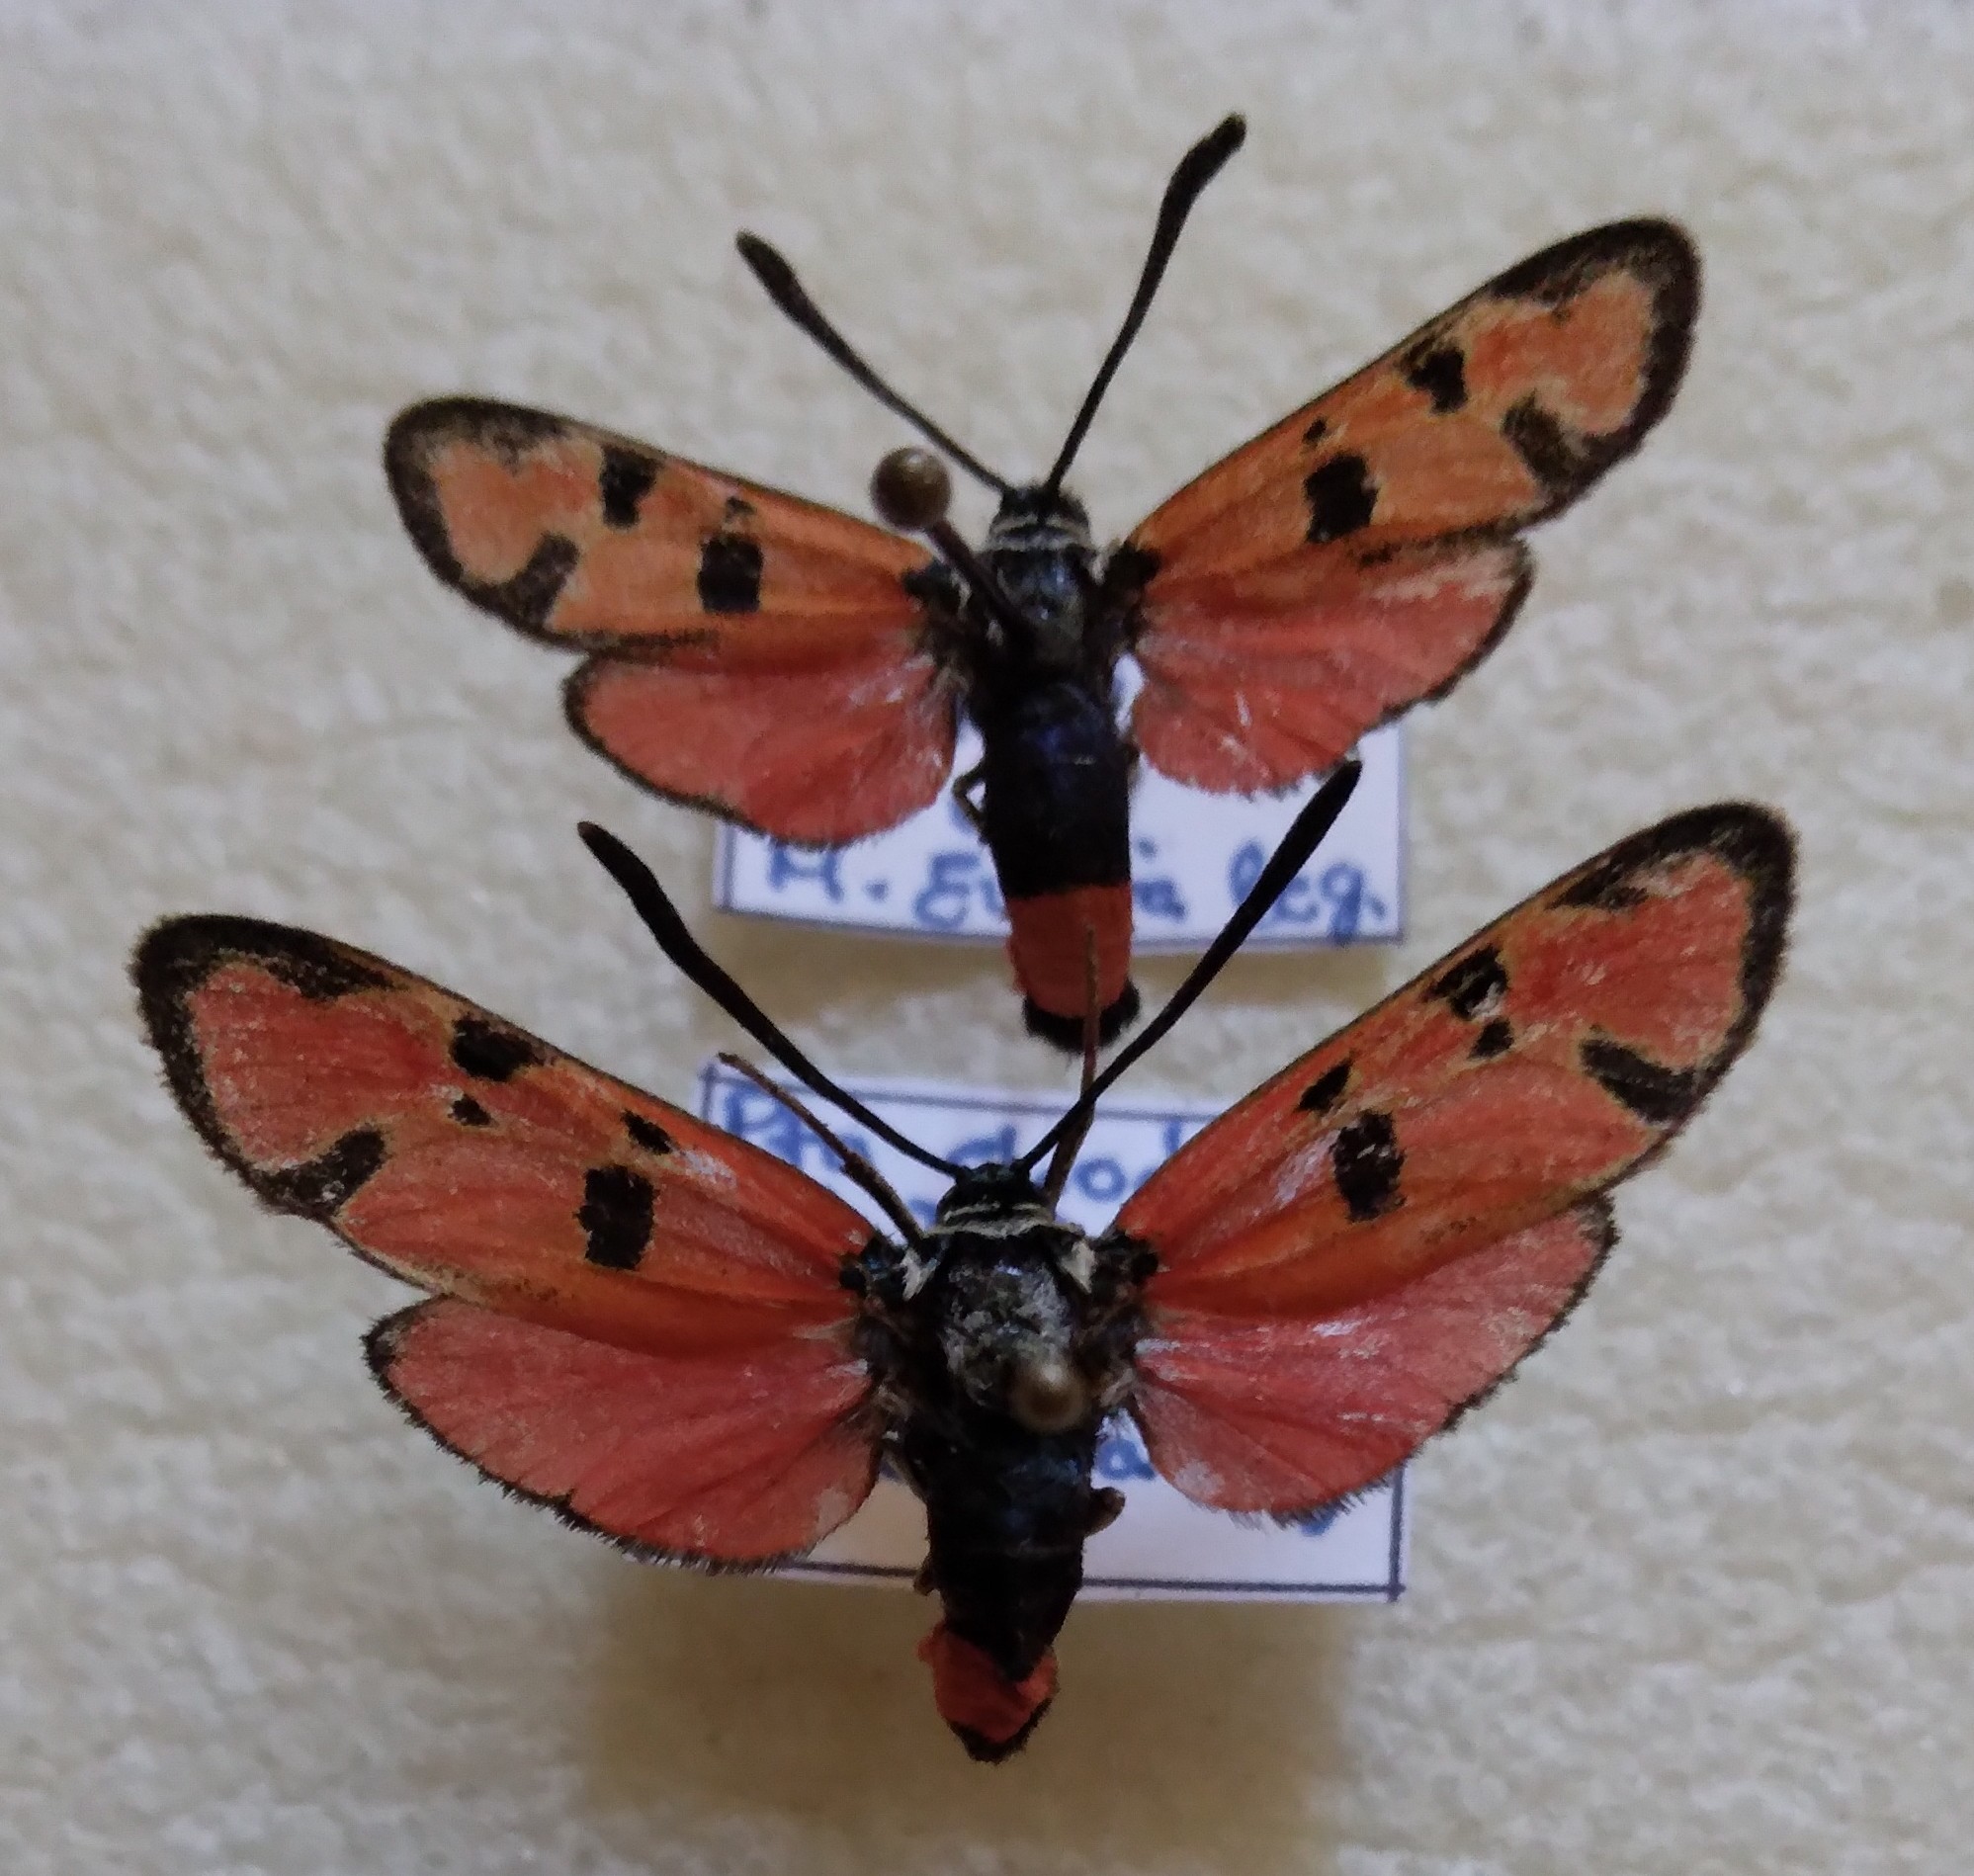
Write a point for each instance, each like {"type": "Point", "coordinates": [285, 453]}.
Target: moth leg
{"type": "Point", "coordinates": [974, 780]}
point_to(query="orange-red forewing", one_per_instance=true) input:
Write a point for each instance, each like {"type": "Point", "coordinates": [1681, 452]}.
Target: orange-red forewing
{"type": "Point", "coordinates": [1375, 1237]}
{"type": "Point", "coordinates": [1359, 556]}
{"type": "Point", "coordinates": [642, 1319]}
{"type": "Point", "coordinates": [751, 653]}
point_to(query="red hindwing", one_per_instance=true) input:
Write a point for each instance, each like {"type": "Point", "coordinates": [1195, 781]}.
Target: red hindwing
{"type": "Point", "coordinates": [630, 1291]}
{"type": "Point", "coordinates": [1378, 1234]}
{"type": "Point", "coordinates": [736, 1455]}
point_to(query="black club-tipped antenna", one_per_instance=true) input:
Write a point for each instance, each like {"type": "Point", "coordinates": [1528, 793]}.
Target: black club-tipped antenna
{"type": "Point", "coordinates": [787, 291]}
{"type": "Point", "coordinates": [1305, 835]}
{"type": "Point", "coordinates": [1197, 167]}
{"type": "Point", "coordinates": [661, 918]}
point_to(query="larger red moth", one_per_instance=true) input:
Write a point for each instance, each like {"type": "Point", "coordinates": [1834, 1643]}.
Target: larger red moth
{"type": "Point", "coordinates": [802, 673]}
{"type": "Point", "coordinates": [677, 1341]}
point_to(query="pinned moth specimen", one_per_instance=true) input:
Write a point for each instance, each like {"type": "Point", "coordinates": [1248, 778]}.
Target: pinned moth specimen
{"type": "Point", "coordinates": [803, 673]}
{"type": "Point", "coordinates": [678, 1342]}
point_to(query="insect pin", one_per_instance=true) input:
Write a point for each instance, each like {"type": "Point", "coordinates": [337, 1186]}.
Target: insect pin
{"type": "Point", "coordinates": [682, 1343]}
{"type": "Point", "coordinates": [802, 673]}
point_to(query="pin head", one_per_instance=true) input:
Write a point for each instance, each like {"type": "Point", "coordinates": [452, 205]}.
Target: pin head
{"type": "Point", "coordinates": [912, 490]}
{"type": "Point", "coordinates": [1044, 1394]}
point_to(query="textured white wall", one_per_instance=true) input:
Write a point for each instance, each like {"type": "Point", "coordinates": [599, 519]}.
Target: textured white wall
{"type": "Point", "coordinates": [1694, 1596]}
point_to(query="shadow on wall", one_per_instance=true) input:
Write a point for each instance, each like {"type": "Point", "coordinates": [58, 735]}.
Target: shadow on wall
{"type": "Point", "coordinates": [1183, 1734]}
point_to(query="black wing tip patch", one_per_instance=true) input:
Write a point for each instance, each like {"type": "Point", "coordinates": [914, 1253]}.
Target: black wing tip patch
{"type": "Point", "coordinates": [382, 1343]}
{"type": "Point", "coordinates": [1657, 251]}
{"type": "Point", "coordinates": [176, 955]}
{"type": "Point", "coordinates": [507, 430]}
{"type": "Point", "coordinates": [1661, 255]}
{"type": "Point", "coordinates": [1066, 1032]}
{"type": "Point", "coordinates": [416, 431]}
{"type": "Point", "coordinates": [1759, 846]}
{"type": "Point", "coordinates": [172, 960]}
{"type": "Point", "coordinates": [525, 601]}
{"type": "Point", "coordinates": [1755, 841]}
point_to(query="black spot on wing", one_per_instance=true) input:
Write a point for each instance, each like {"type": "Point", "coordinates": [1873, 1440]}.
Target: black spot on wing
{"type": "Point", "coordinates": [529, 598]}
{"type": "Point", "coordinates": [614, 1216]}
{"type": "Point", "coordinates": [1439, 370]}
{"type": "Point", "coordinates": [730, 575]}
{"type": "Point", "coordinates": [468, 1112]}
{"type": "Point", "coordinates": [1325, 1090]}
{"type": "Point", "coordinates": [1342, 497]}
{"type": "Point", "coordinates": [1495, 1039]}
{"type": "Point", "coordinates": [1657, 1095]}
{"type": "Point", "coordinates": [322, 1187]}
{"type": "Point", "coordinates": [490, 1052]}
{"type": "Point", "coordinates": [1611, 885]}
{"type": "Point", "coordinates": [1318, 429]}
{"type": "Point", "coordinates": [1472, 986]}
{"type": "Point", "coordinates": [624, 482]}
{"type": "Point", "coordinates": [1557, 456]}
{"type": "Point", "coordinates": [1366, 1161]}
{"type": "Point", "coordinates": [1660, 258]}
{"type": "Point", "coordinates": [648, 1133]}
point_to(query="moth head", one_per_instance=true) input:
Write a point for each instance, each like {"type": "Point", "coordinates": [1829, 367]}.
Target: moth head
{"type": "Point", "coordinates": [1036, 509]}
{"type": "Point", "coordinates": [995, 1189]}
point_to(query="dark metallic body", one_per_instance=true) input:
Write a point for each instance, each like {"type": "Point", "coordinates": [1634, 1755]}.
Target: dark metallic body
{"type": "Point", "coordinates": [1054, 772]}
{"type": "Point", "coordinates": [1003, 1290]}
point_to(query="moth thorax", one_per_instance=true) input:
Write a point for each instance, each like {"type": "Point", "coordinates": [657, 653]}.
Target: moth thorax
{"type": "Point", "coordinates": [1008, 1339]}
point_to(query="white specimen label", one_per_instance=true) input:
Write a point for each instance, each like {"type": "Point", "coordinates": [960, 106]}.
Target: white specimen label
{"type": "Point", "coordinates": [1193, 857]}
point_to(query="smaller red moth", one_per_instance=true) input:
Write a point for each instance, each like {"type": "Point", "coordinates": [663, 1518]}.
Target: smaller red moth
{"type": "Point", "coordinates": [686, 1345]}
{"type": "Point", "coordinates": [803, 673]}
